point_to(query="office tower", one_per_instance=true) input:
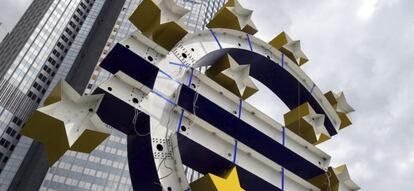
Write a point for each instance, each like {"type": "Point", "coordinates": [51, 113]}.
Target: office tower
{"type": "Point", "coordinates": [106, 168]}
{"type": "Point", "coordinates": [3, 32]}
{"type": "Point", "coordinates": [49, 40]}
{"type": "Point", "coordinates": [30, 57]}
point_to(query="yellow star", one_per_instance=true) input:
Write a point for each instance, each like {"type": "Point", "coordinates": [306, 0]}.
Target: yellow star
{"type": "Point", "coordinates": [211, 182]}
{"type": "Point", "coordinates": [233, 76]}
{"type": "Point", "coordinates": [234, 16]}
{"type": "Point", "coordinates": [306, 123]}
{"type": "Point", "coordinates": [341, 106]}
{"type": "Point", "coordinates": [67, 122]}
{"type": "Point", "coordinates": [291, 48]}
{"type": "Point", "coordinates": [160, 21]}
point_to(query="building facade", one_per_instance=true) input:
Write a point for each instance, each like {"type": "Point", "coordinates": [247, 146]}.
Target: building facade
{"type": "Point", "coordinates": [30, 59]}
{"type": "Point", "coordinates": [41, 49]}
{"type": "Point", "coordinates": [106, 168]}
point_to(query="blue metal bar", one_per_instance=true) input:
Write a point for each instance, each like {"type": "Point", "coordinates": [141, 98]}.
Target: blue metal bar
{"type": "Point", "coordinates": [250, 42]}
{"type": "Point", "coordinates": [180, 120]}
{"type": "Point", "coordinates": [235, 151]}
{"type": "Point", "coordinates": [164, 98]}
{"type": "Point", "coordinates": [283, 169]}
{"type": "Point", "coordinates": [240, 107]}
{"type": "Point", "coordinates": [236, 143]}
{"type": "Point", "coordinates": [283, 60]}
{"type": "Point", "coordinates": [215, 37]}
{"type": "Point", "coordinates": [180, 65]}
{"type": "Point", "coordinates": [190, 79]}
{"type": "Point", "coordinates": [169, 76]}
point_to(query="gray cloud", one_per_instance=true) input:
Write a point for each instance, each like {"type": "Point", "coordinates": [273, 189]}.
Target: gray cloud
{"type": "Point", "coordinates": [363, 47]}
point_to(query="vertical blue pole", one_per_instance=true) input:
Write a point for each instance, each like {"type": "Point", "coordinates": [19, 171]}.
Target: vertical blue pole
{"type": "Point", "coordinates": [250, 42]}
{"type": "Point", "coordinates": [180, 120]}
{"type": "Point", "coordinates": [190, 80]}
{"type": "Point", "coordinates": [235, 141]}
{"type": "Point", "coordinates": [215, 38]}
{"type": "Point", "coordinates": [283, 169]}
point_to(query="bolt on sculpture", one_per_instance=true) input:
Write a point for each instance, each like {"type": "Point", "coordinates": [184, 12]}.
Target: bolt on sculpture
{"type": "Point", "coordinates": [180, 98]}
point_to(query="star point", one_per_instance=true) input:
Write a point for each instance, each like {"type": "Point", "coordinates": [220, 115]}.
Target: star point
{"type": "Point", "coordinates": [68, 122]}
{"type": "Point", "coordinates": [234, 16]}
{"type": "Point", "coordinates": [212, 182]}
{"type": "Point", "coordinates": [291, 48]}
{"type": "Point", "coordinates": [306, 123]}
{"type": "Point", "coordinates": [341, 106]}
{"type": "Point", "coordinates": [233, 76]}
{"type": "Point", "coordinates": [161, 22]}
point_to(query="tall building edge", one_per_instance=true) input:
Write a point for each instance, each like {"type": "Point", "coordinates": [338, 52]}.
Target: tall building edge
{"type": "Point", "coordinates": [14, 41]}
{"type": "Point", "coordinates": [81, 71]}
{"type": "Point", "coordinates": [34, 166]}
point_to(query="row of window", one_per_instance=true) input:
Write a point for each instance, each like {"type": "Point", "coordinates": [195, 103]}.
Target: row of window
{"type": "Point", "coordinates": [5, 143]}
{"type": "Point", "coordinates": [57, 53]}
{"type": "Point", "coordinates": [13, 133]}
{"type": "Point", "coordinates": [10, 131]}
{"type": "Point", "coordinates": [17, 121]}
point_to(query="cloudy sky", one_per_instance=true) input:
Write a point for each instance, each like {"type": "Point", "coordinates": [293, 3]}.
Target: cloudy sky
{"type": "Point", "coordinates": [361, 47]}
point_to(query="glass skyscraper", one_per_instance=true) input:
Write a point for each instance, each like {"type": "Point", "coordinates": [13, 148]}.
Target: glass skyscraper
{"type": "Point", "coordinates": [106, 168]}
{"type": "Point", "coordinates": [37, 53]}
{"type": "Point", "coordinates": [30, 58]}
{"type": "Point", "coordinates": [44, 47]}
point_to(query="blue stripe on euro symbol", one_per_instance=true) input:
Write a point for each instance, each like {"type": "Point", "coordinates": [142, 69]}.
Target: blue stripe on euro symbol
{"type": "Point", "coordinates": [247, 134]}
{"type": "Point", "coordinates": [164, 97]}
{"type": "Point", "coordinates": [250, 42]}
{"type": "Point", "coordinates": [236, 143]}
{"type": "Point", "coordinates": [169, 76]}
{"type": "Point", "coordinates": [178, 64]}
{"type": "Point", "coordinates": [283, 169]}
{"type": "Point", "coordinates": [215, 38]}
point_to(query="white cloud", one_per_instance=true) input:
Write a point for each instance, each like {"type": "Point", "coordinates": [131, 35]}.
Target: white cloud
{"type": "Point", "coordinates": [367, 8]}
{"type": "Point", "coordinates": [365, 49]}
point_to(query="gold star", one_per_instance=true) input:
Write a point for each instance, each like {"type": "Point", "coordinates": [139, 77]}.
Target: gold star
{"type": "Point", "coordinates": [291, 48]}
{"type": "Point", "coordinates": [233, 76]}
{"type": "Point", "coordinates": [306, 123]}
{"type": "Point", "coordinates": [211, 182]}
{"type": "Point", "coordinates": [234, 16]}
{"type": "Point", "coordinates": [161, 22]}
{"type": "Point", "coordinates": [341, 106]}
{"type": "Point", "coordinates": [326, 181]}
{"type": "Point", "coordinates": [67, 122]}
